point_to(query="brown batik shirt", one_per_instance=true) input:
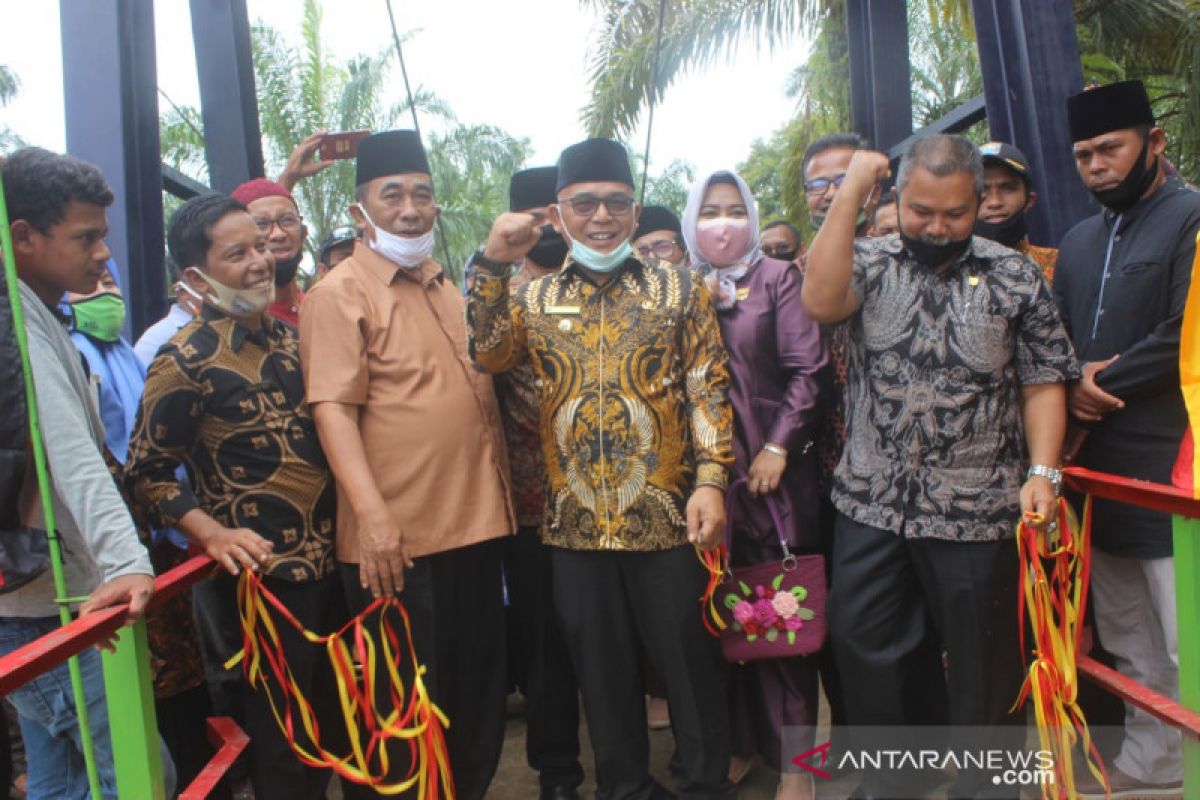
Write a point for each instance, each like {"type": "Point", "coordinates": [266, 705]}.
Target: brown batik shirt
{"type": "Point", "coordinates": [935, 443]}
{"type": "Point", "coordinates": [632, 387]}
{"type": "Point", "coordinates": [228, 403]}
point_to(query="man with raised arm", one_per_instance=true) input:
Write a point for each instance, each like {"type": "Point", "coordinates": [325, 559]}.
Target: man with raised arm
{"type": "Point", "coordinates": [956, 401]}
{"type": "Point", "coordinates": [636, 425]}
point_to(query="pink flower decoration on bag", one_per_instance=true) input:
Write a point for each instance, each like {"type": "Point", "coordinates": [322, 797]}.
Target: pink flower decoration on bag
{"type": "Point", "coordinates": [785, 604]}
{"type": "Point", "coordinates": [743, 612]}
{"type": "Point", "coordinates": [794, 623]}
{"type": "Point", "coordinates": [764, 613]}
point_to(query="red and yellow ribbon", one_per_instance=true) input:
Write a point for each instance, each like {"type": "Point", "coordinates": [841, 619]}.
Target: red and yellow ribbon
{"type": "Point", "coordinates": [353, 651]}
{"type": "Point", "coordinates": [714, 565]}
{"type": "Point", "coordinates": [1055, 569]}
{"type": "Point", "coordinates": [1189, 366]}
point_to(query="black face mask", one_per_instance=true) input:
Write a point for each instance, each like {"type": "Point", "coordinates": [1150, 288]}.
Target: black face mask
{"type": "Point", "coordinates": [285, 271]}
{"type": "Point", "coordinates": [550, 251]}
{"type": "Point", "coordinates": [1125, 194]}
{"type": "Point", "coordinates": [1009, 233]}
{"type": "Point", "coordinates": [934, 255]}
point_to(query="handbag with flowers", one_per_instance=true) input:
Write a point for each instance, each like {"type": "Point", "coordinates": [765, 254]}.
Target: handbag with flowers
{"type": "Point", "coordinates": [771, 610]}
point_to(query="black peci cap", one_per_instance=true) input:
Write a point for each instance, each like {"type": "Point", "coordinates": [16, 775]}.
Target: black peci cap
{"type": "Point", "coordinates": [1103, 109]}
{"type": "Point", "coordinates": [593, 160]}
{"type": "Point", "coordinates": [532, 188]}
{"type": "Point", "coordinates": [390, 153]}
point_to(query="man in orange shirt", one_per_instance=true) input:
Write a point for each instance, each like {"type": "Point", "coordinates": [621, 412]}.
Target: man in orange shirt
{"type": "Point", "coordinates": [412, 432]}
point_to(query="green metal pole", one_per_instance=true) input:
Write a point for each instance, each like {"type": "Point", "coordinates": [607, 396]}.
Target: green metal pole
{"type": "Point", "coordinates": [128, 687]}
{"type": "Point", "coordinates": [1187, 609]}
{"type": "Point", "coordinates": [45, 489]}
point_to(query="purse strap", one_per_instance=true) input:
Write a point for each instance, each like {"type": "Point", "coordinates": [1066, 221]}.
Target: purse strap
{"type": "Point", "coordinates": [789, 560]}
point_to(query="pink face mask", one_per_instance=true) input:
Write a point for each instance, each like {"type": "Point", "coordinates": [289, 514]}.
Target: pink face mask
{"type": "Point", "coordinates": [723, 241]}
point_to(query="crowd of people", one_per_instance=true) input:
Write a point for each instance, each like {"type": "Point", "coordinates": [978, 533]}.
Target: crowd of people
{"type": "Point", "coordinates": [531, 464]}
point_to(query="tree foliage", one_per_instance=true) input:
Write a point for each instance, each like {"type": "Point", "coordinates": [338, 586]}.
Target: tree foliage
{"type": "Point", "coordinates": [303, 89]}
{"type": "Point", "coordinates": [10, 84]}
{"type": "Point", "coordinates": [695, 34]}
{"type": "Point", "coordinates": [1157, 41]}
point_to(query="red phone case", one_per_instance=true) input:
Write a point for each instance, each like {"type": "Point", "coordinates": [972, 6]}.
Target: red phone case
{"type": "Point", "coordinates": [341, 145]}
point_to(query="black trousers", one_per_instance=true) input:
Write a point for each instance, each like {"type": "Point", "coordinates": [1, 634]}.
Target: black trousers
{"type": "Point", "coordinates": [275, 771]}
{"type": "Point", "coordinates": [831, 678]}
{"type": "Point", "coordinates": [455, 603]}
{"type": "Point", "coordinates": [614, 606]}
{"type": "Point", "coordinates": [896, 604]}
{"type": "Point", "coordinates": [551, 693]}
{"type": "Point", "coordinates": [219, 634]}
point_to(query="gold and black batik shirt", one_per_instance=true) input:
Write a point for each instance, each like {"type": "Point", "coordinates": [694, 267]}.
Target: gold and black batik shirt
{"type": "Point", "coordinates": [228, 404]}
{"type": "Point", "coordinates": [632, 386]}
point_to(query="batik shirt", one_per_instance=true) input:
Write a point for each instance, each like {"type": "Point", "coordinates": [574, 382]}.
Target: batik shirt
{"type": "Point", "coordinates": [228, 403]}
{"type": "Point", "coordinates": [935, 443]}
{"type": "Point", "coordinates": [632, 387]}
{"type": "Point", "coordinates": [517, 395]}
{"type": "Point", "coordinates": [1044, 257]}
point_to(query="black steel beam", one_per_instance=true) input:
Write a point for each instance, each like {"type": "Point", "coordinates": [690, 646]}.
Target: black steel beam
{"type": "Point", "coordinates": [880, 83]}
{"type": "Point", "coordinates": [957, 121]}
{"type": "Point", "coordinates": [228, 103]}
{"type": "Point", "coordinates": [176, 183]}
{"type": "Point", "coordinates": [111, 102]}
{"type": "Point", "coordinates": [1029, 57]}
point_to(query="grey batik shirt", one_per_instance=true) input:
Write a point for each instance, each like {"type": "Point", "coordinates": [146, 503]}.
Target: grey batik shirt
{"type": "Point", "coordinates": [935, 441]}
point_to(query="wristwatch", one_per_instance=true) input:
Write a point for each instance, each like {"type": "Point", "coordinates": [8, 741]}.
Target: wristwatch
{"type": "Point", "coordinates": [1051, 474]}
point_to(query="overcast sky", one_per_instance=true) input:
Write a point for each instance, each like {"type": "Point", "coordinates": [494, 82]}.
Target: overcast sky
{"type": "Point", "coordinates": [519, 64]}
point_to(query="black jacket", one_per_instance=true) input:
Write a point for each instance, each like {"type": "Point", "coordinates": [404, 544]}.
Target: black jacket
{"type": "Point", "coordinates": [1140, 318]}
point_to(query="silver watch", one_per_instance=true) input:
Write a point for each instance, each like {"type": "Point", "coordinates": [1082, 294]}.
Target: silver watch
{"type": "Point", "coordinates": [1049, 473]}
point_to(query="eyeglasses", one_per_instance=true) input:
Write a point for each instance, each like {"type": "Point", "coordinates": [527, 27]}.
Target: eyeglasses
{"type": "Point", "coordinates": [777, 249]}
{"type": "Point", "coordinates": [286, 222]}
{"type": "Point", "coordinates": [819, 185]}
{"type": "Point", "coordinates": [585, 205]}
{"type": "Point", "coordinates": [663, 248]}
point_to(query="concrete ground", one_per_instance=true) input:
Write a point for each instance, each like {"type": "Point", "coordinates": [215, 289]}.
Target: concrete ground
{"type": "Point", "coordinates": [516, 781]}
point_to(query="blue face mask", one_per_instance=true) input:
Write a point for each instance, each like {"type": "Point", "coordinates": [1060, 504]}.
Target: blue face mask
{"type": "Point", "coordinates": [601, 262]}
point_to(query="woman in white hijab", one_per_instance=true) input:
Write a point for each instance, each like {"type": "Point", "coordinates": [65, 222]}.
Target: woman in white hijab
{"type": "Point", "coordinates": [775, 355]}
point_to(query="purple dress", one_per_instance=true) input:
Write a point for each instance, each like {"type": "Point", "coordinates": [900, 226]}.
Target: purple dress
{"type": "Point", "coordinates": [775, 356]}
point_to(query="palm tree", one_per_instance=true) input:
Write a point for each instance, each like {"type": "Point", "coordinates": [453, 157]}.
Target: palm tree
{"type": "Point", "coordinates": [471, 167]}
{"type": "Point", "coordinates": [695, 34]}
{"type": "Point", "coordinates": [1156, 40]}
{"type": "Point", "coordinates": [303, 90]}
{"type": "Point", "coordinates": [10, 84]}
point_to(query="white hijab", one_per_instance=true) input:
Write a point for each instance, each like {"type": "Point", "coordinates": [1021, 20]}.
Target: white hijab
{"type": "Point", "coordinates": [691, 215]}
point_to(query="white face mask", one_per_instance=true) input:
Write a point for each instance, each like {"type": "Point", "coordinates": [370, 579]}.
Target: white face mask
{"type": "Point", "coordinates": [402, 250]}
{"type": "Point", "coordinates": [241, 302]}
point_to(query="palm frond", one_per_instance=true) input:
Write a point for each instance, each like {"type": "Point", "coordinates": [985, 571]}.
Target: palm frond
{"type": "Point", "coordinates": [10, 84]}
{"type": "Point", "coordinates": [694, 35]}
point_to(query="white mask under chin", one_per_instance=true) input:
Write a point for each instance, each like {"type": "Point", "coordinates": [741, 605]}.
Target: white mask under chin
{"type": "Point", "coordinates": [407, 252]}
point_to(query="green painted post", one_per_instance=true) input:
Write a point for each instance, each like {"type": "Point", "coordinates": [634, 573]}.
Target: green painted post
{"type": "Point", "coordinates": [129, 688]}
{"type": "Point", "coordinates": [1187, 599]}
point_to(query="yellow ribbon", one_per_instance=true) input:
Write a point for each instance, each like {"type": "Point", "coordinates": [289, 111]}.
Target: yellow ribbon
{"type": "Point", "coordinates": [415, 719]}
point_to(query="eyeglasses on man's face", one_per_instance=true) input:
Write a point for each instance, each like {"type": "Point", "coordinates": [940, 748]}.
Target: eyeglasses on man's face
{"type": "Point", "coordinates": [663, 248]}
{"type": "Point", "coordinates": [820, 185]}
{"type": "Point", "coordinates": [585, 205]}
{"type": "Point", "coordinates": [286, 222]}
{"type": "Point", "coordinates": [777, 248]}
